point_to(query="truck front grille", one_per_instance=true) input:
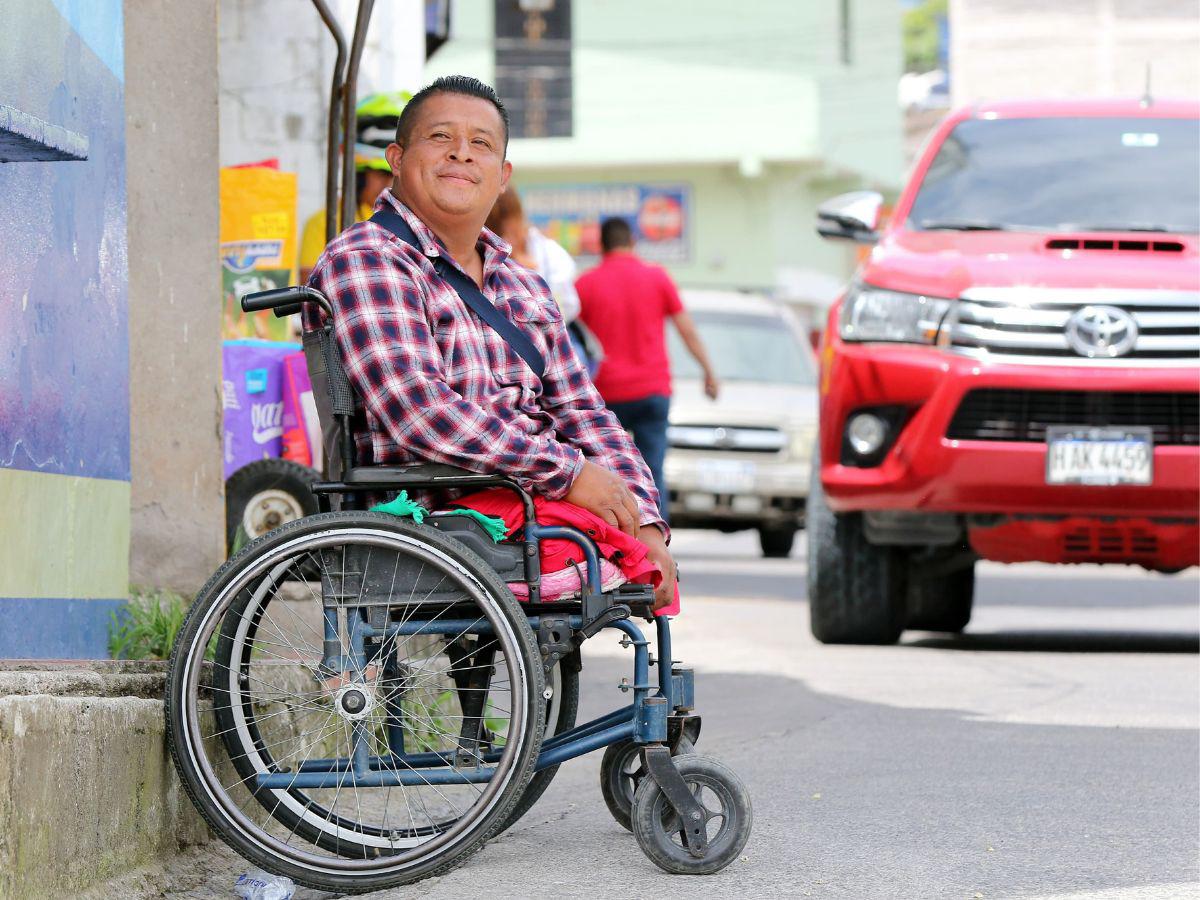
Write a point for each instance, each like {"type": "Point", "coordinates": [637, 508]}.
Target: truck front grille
{"type": "Point", "coordinates": [1030, 324]}
{"type": "Point", "coordinates": [997, 414]}
{"type": "Point", "coordinates": [745, 439]}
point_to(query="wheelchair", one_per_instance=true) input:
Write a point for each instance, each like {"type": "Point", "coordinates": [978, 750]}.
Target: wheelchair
{"type": "Point", "coordinates": [358, 701]}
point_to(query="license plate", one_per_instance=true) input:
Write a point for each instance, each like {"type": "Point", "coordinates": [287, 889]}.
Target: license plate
{"type": "Point", "coordinates": [726, 476]}
{"type": "Point", "coordinates": [1103, 456]}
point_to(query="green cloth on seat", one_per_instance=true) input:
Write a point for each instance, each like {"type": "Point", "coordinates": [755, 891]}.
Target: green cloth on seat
{"type": "Point", "coordinates": [493, 525]}
{"type": "Point", "coordinates": [403, 507]}
{"type": "Point", "coordinates": [409, 509]}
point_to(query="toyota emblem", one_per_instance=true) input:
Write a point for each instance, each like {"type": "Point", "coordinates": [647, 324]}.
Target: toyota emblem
{"type": "Point", "coordinates": [1101, 332]}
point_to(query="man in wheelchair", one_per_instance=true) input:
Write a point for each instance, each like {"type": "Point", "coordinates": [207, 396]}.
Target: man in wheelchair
{"type": "Point", "coordinates": [438, 383]}
{"type": "Point", "coordinates": [359, 701]}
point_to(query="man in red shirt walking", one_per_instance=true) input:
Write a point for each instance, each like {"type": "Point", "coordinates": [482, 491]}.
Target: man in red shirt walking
{"type": "Point", "coordinates": [626, 303]}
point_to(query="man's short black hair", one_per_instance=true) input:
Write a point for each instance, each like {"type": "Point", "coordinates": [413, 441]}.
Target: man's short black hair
{"type": "Point", "coordinates": [449, 84]}
{"type": "Point", "coordinates": [615, 233]}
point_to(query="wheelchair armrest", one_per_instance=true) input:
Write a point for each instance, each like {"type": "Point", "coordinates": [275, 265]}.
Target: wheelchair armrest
{"type": "Point", "coordinates": [420, 475]}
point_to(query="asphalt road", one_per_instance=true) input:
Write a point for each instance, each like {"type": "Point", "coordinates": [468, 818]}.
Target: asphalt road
{"type": "Point", "coordinates": [1051, 751]}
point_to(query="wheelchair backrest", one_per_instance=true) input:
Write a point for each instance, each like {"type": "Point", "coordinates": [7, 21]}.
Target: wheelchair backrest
{"type": "Point", "coordinates": [333, 395]}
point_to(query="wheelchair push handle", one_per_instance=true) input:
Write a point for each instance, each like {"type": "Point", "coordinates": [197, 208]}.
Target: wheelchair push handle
{"type": "Point", "coordinates": [285, 301]}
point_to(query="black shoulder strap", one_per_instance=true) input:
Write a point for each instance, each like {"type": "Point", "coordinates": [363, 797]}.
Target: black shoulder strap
{"type": "Point", "coordinates": [469, 291]}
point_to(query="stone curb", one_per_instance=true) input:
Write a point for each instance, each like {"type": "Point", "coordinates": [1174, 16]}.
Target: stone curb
{"type": "Point", "coordinates": [87, 787]}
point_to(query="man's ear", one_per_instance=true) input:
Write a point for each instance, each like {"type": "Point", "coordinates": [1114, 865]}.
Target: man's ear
{"type": "Point", "coordinates": [505, 174]}
{"type": "Point", "coordinates": [393, 153]}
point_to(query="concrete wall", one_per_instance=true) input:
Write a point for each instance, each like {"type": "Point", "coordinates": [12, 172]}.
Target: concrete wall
{"type": "Point", "coordinates": [178, 535]}
{"type": "Point", "coordinates": [1071, 48]}
{"type": "Point", "coordinates": [64, 339]}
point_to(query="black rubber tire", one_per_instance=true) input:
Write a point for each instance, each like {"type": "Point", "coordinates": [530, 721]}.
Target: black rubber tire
{"type": "Point", "coordinates": [856, 591]}
{"type": "Point", "coordinates": [651, 810]}
{"type": "Point", "coordinates": [270, 474]}
{"type": "Point", "coordinates": [776, 543]}
{"type": "Point", "coordinates": [942, 603]}
{"type": "Point", "coordinates": [618, 786]}
{"type": "Point", "coordinates": [176, 713]}
{"type": "Point", "coordinates": [568, 710]}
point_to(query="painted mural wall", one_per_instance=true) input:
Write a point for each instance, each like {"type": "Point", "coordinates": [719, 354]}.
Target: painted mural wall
{"type": "Point", "coordinates": [64, 337]}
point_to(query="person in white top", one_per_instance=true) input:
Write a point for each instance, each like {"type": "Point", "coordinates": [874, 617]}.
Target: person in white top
{"type": "Point", "coordinates": [536, 251]}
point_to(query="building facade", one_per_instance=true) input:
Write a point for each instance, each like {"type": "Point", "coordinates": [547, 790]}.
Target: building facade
{"type": "Point", "coordinates": [719, 127]}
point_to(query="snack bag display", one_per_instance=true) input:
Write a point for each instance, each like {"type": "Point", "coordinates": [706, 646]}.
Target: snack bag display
{"type": "Point", "coordinates": [258, 245]}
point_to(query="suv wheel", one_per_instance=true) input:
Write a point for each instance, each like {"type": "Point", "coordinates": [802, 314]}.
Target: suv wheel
{"type": "Point", "coordinates": [943, 602]}
{"type": "Point", "coordinates": [856, 591]}
{"type": "Point", "coordinates": [777, 542]}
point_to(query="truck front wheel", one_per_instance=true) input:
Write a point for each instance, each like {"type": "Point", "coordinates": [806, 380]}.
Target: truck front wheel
{"type": "Point", "coordinates": [856, 591]}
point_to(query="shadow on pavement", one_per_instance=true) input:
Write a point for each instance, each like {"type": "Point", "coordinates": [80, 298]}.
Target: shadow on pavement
{"type": "Point", "coordinates": [1065, 642]}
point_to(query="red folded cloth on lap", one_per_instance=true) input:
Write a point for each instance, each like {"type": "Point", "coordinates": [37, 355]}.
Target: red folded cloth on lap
{"type": "Point", "coordinates": [627, 553]}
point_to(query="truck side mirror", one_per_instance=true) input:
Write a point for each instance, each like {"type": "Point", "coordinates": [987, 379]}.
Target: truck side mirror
{"type": "Point", "coordinates": [853, 216]}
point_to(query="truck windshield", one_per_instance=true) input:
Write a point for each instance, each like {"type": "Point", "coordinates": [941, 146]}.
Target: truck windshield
{"type": "Point", "coordinates": [1082, 174]}
{"type": "Point", "coordinates": [744, 348]}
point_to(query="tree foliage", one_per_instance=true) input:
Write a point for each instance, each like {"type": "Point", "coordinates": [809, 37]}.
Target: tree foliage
{"type": "Point", "coordinates": [921, 35]}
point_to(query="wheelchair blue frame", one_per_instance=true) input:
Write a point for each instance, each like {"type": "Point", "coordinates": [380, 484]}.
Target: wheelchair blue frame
{"type": "Point", "coordinates": [645, 721]}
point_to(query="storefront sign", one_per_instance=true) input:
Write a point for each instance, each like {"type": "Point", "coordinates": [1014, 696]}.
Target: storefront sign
{"type": "Point", "coordinates": [659, 215]}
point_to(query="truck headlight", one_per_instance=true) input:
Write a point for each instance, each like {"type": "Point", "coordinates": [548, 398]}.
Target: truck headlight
{"type": "Point", "coordinates": [873, 314]}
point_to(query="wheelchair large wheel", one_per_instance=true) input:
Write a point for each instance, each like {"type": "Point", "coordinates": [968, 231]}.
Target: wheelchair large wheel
{"type": "Point", "coordinates": [376, 702]}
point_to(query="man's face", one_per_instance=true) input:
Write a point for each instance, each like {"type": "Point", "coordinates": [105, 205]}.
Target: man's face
{"type": "Point", "coordinates": [453, 166]}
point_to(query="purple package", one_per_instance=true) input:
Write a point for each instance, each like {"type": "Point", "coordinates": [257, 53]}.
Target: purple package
{"type": "Point", "coordinates": [253, 400]}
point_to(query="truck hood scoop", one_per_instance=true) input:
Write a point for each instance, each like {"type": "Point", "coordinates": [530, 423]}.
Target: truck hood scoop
{"type": "Point", "coordinates": [1136, 245]}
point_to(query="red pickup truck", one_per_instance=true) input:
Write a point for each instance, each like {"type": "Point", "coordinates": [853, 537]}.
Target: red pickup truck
{"type": "Point", "coordinates": [1014, 373]}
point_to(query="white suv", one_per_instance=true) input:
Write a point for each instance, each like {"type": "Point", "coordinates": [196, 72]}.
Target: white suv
{"type": "Point", "coordinates": [743, 460]}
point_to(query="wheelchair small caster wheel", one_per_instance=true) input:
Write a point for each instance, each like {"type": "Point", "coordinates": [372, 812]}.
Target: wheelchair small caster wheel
{"type": "Point", "coordinates": [621, 771]}
{"type": "Point", "coordinates": [725, 802]}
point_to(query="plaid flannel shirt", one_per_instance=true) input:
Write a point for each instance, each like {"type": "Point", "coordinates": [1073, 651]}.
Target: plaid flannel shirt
{"type": "Point", "coordinates": [439, 385]}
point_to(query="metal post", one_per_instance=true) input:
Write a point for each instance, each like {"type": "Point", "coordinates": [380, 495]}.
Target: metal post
{"type": "Point", "coordinates": [335, 98]}
{"type": "Point", "coordinates": [350, 98]}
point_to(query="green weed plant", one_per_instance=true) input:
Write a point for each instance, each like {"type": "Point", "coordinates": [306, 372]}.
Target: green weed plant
{"type": "Point", "coordinates": [147, 625]}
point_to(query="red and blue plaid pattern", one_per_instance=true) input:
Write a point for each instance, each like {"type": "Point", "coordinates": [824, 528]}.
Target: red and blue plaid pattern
{"type": "Point", "coordinates": [438, 385]}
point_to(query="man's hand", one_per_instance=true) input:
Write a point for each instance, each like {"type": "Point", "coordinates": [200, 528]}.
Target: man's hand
{"type": "Point", "coordinates": [652, 537]}
{"type": "Point", "coordinates": [712, 387]}
{"type": "Point", "coordinates": [602, 492]}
